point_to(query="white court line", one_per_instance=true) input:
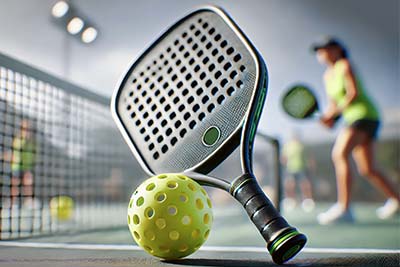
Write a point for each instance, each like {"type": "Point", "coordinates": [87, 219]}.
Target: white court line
{"type": "Point", "coordinates": [205, 248]}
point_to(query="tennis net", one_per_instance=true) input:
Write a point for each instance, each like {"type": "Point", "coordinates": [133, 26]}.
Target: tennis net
{"type": "Point", "coordinates": [63, 165]}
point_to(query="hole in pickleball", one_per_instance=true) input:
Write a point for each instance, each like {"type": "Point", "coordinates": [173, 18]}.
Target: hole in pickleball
{"type": "Point", "coordinates": [206, 234]}
{"type": "Point", "coordinates": [191, 187]}
{"type": "Point", "coordinates": [182, 177]}
{"type": "Point", "coordinates": [136, 234]}
{"type": "Point", "coordinates": [162, 176]}
{"type": "Point", "coordinates": [183, 198]}
{"type": "Point", "coordinates": [186, 220]}
{"type": "Point", "coordinates": [172, 210]}
{"type": "Point", "coordinates": [149, 212]}
{"type": "Point", "coordinates": [209, 203]}
{"type": "Point", "coordinates": [129, 220]}
{"type": "Point", "coordinates": [139, 201]}
{"type": "Point", "coordinates": [206, 218]}
{"type": "Point", "coordinates": [203, 191]}
{"type": "Point", "coordinates": [131, 202]}
{"type": "Point", "coordinates": [136, 219]}
{"type": "Point", "coordinates": [172, 184]}
{"type": "Point", "coordinates": [174, 235]}
{"type": "Point", "coordinates": [148, 249]}
{"type": "Point", "coordinates": [199, 204]}
{"type": "Point", "coordinates": [160, 196]}
{"type": "Point", "coordinates": [150, 187]}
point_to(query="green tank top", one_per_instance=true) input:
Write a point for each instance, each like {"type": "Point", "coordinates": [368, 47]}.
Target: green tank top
{"type": "Point", "coordinates": [293, 151]}
{"type": "Point", "coordinates": [361, 108]}
{"type": "Point", "coordinates": [23, 154]}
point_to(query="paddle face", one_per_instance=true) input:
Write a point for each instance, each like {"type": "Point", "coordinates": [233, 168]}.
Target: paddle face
{"type": "Point", "coordinates": [300, 102]}
{"type": "Point", "coordinates": [182, 104]}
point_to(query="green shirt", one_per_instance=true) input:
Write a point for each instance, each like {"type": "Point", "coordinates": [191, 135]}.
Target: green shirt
{"type": "Point", "coordinates": [23, 154]}
{"type": "Point", "coordinates": [360, 108]}
{"type": "Point", "coordinates": [293, 151]}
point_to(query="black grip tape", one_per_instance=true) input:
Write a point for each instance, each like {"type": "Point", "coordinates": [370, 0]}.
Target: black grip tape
{"type": "Point", "coordinates": [259, 208]}
{"type": "Point", "coordinates": [264, 216]}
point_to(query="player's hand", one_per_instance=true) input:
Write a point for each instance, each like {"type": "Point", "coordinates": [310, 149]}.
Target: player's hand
{"type": "Point", "coordinates": [328, 121]}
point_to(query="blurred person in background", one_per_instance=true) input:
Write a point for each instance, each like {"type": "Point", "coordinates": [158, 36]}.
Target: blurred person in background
{"type": "Point", "coordinates": [348, 99]}
{"type": "Point", "coordinates": [295, 161]}
{"type": "Point", "coordinates": [23, 157]}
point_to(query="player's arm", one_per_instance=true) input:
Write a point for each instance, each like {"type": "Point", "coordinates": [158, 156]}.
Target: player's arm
{"type": "Point", "coordinates": [350, 85]}
{"type": "Point", "coordinates": [8, 154]}
{"type": "Point", "coordinates": [331, 112]}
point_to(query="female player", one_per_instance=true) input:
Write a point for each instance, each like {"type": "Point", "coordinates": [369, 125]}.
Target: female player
{"type": "Point", "coordinates": [347, 98]}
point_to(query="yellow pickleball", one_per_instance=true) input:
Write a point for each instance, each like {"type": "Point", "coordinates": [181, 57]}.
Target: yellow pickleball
{"type": "Point", "coordinates": [62, 208]}
{"type": "Point", "coordinates": [170, 216]}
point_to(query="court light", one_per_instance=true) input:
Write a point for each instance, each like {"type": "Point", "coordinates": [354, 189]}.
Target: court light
{"type": "Point", "coordinates": [60, 9]}
{"type": "Point", "coordinates": [66, 16]}
{"type": "Point", "coordinates": [89, 35]}
{"type": "Point", "coordinates": [75, 25]}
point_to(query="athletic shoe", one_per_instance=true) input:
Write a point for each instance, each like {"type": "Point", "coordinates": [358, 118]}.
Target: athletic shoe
{"type": "Point", "coordinates": [336, 214]}
{"type": "Point", "coordinates": [308, 205]}
{"type": "Point", "coordinates": [389, 209]}
{"type": "Point", "coordinates": [289, 204]}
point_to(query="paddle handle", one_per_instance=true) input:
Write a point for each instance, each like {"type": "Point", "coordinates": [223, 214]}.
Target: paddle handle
{"type": "Point", "coordinates": [259, 208]}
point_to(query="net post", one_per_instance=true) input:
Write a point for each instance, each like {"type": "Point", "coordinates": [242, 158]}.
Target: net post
{"type": "Point", "coordinates": [277, 166]}
{"type": "Point", "coordinates": [278, 174]}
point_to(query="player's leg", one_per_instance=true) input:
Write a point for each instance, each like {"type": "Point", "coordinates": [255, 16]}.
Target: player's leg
{"type": "Point", "coordinates": [290, 187]}
{"type": "Point", "coordinates": [306, 191]}
{"type": "Point", "coordinates": [345, 142]}
{"type": "Point", "coordinates": [306, 187]}
{"type": "Point", "coordinates": [363, 155]}
{"type": "Point", "coordinates": [15, 187]}
{"type": "Point", "coordinates": [27, 188]}
{"type": "Point", "coordinates": [289, 201]}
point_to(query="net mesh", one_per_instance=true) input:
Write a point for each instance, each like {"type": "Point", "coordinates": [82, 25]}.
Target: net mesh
{"type": "Point", "coordinates": [55, 144]}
